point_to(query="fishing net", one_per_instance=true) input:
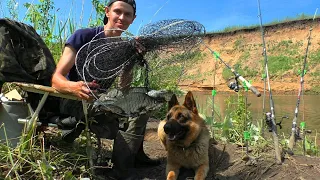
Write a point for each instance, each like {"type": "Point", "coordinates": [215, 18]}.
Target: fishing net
{"type": "Point", "coordinates": [103, 59]}
{"type": "Point", "coordinates": [171, 34]}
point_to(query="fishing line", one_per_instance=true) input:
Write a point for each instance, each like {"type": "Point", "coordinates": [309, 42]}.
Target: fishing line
{"type": "Point", "coordinates": [158, 10]}
{"type": "Point", "coordinates": [294, 133]}
{"type": "Point", "coordinates": [140, 25]}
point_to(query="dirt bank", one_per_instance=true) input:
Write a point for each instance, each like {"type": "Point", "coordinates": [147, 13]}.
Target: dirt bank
{"type": "Point", "coordinates": [244, 47]}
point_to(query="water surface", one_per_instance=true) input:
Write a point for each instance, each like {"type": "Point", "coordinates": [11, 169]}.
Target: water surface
{"type": "Point", "coordinates": [284, 105]}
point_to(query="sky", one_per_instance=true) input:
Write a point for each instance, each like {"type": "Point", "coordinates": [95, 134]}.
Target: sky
{"type": "Point", "coordinates": [214, 15]}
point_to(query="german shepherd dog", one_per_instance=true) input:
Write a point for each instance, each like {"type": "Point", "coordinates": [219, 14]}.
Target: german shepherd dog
{"type": "Point", "coordinates": [186, 139]}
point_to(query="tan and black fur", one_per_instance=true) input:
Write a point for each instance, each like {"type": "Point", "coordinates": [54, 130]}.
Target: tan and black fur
{"type": "Point", "coordinates": [186, 139]}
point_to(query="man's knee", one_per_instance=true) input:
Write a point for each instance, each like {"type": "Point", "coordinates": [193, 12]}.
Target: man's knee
{"type": "Point", "coordinates": [105, 125]}
{"type": "Point", "coordinates": [137, 125]}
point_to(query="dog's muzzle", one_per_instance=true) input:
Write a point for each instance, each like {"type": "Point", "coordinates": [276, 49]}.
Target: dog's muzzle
{"type": "Point", "coordinates": [175, 130]}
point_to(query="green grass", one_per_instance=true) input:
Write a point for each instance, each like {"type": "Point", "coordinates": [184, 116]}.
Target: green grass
{"type": "Point", "coordinates": [244, 57]}
{"type": "Point", "coordinates": [286, 47]}
{"type": "Point", "coordinates": [238, 43]}
{"type": "Point", "coordinates": [316, 89]}
{"type": "Point", "coordinates": [279, 64]}
{"type": "Point", "coordinates": [43, 162]}
{"type": "Point", "coordinates": [167, 72]}
{"type": "Point", "coordinates": [250, 72]}
{"type": "Point", "coordinates": [314, 58]}
{"type": "Point", "coordinates": [274, 22]}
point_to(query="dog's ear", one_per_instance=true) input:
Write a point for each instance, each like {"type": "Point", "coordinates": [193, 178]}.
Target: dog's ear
{"type": "Point", "coordinates": [173, 101]}
{"type": "Point", "coordinates": [190, 103]}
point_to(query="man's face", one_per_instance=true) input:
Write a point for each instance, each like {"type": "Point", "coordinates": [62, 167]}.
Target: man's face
{"type": "Point", "coordinates": [120, 15]}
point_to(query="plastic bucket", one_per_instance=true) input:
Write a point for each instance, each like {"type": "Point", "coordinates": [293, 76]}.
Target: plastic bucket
{"type": "Point", "coordinates": [10, 112]}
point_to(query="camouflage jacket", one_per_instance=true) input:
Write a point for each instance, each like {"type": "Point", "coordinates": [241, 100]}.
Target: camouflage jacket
{"type": "Point", "coordinates": [24, 57]}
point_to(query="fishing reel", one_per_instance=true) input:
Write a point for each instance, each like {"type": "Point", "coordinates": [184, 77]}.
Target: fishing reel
{"type": "Point", "coordinates": [300, 133]}
{"type": "Point", "coordinates": [269, 121]}
{"type": "Point", "coordinates": [297, 134]}
{"type": "Point", "coordinates": [234, 85]}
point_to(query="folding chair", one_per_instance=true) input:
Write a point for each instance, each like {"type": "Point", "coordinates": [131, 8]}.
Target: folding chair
{"type": "Point", "coordinates": [49, 91]}
{"type": "Point", "coordinates": [46, 91]}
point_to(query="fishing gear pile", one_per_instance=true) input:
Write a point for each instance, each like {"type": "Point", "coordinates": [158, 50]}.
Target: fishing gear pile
{"type": "Point", "coordinates": [103, 59]}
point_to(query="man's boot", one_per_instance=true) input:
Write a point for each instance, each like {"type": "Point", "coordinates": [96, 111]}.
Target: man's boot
{"type": "Point", "coordinates": [71, 128]}
{"type": "Point", "coordinates": [142, 160]}
{"type": "Point", "coordinates": [137, 125]}
{"type": "Point", "coordinates": [126, 146]}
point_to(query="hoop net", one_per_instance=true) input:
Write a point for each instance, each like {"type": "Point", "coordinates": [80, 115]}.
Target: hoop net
{"type": "Point", "coordinates": [103, 59]}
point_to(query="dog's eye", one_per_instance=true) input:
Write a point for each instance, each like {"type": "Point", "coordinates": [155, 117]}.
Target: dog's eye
{"type": "Point", "coordinates": [184, 118]}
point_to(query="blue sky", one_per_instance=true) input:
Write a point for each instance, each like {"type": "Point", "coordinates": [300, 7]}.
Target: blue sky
{"type": "Point", "coordinates": [213, 14]}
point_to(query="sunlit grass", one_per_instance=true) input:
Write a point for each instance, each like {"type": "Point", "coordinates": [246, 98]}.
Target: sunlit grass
{"type": "Point", "coordinates": [274, 22]}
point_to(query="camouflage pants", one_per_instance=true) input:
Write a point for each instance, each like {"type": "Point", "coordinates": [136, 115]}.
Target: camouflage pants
{"type": "Point", "coordinates": [103, 124]}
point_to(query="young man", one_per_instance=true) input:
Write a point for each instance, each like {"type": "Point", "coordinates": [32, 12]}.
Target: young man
{"type": "Point", "coordinates": [128, 145]}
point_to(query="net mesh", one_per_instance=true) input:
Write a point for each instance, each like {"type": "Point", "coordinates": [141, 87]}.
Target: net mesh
{"type": "Point", "coordinates": [167, 34]}
{"type": "Point", "coordinates": [103, 59]}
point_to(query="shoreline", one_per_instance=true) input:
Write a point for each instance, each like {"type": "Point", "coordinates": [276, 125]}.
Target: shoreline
{"type": "Point", "coordinates": [225, 90]}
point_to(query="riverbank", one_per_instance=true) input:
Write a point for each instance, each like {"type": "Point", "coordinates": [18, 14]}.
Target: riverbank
{"type": "Point", "coordinates": [241, 49]}
{"type": "Point", "coordinates": [277, 88]}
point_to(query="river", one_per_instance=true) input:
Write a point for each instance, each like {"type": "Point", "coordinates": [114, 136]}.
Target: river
{"type": "Point", "coordinates": [284, 105]}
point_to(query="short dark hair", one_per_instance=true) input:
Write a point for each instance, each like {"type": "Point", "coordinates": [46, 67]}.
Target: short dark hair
{"type": "Point", "coordinates": [130, 2]}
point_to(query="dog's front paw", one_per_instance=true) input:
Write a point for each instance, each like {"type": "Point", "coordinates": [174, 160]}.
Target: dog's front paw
{"type": "Point", "coordinates": [172, 175]}
{"type": "Point", "coordinates": [201, 172]}
{"type": "Point", "coordinates": [172, 171]}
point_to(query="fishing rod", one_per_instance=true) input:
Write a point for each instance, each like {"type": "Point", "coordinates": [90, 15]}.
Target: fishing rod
{"type": "Point", "coordinates": [269, 115]}
{"type": "Point", "coordinates": [294, 134]}
{"type": "Point", "coordinates": [264, 75]}
{"type": "Point", "coordinates": [237, 75]}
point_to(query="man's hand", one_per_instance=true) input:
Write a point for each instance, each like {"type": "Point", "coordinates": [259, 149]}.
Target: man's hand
{"type": "Point", "coordinates": [81, 89]}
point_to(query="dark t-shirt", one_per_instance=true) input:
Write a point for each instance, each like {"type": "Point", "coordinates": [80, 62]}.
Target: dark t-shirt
{"type": "Point", "coordinates": [80, 38]}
